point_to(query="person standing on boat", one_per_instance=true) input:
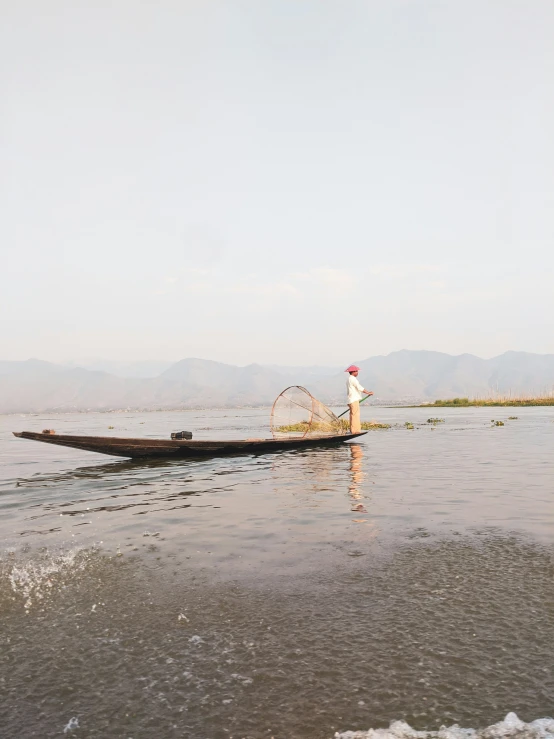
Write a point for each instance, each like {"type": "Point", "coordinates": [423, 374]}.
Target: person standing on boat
{"type": "Point", "coordinates": [355, 393]}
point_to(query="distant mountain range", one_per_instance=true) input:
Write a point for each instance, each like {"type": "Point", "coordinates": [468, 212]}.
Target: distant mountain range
{"type": "Point", "coordinates": [34, 386]}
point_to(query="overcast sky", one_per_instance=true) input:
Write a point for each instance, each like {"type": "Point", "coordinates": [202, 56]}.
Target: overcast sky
{"type": "Point", "coordinates": [287, 181]}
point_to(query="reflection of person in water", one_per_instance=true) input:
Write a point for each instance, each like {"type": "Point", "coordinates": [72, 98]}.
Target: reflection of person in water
{"type": "Point", "coordinates": [357, 476]}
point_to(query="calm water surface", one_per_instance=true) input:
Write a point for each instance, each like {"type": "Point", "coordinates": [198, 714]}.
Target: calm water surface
{"type": "Point", "coordinates": [406, 576]}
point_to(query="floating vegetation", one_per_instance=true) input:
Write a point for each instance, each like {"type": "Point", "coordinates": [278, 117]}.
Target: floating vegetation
{"type": "Point", "coordinates": [292, 427]}
{"type": "Point", "coordinates": [497, 423]}
{"type": "Point", "coordinates": [303, 427]}
{"type": "Point", "coordinates": [409, 425]}
{"type": "Point", "coordinates": [338, 428]}
{"type": "Point", "coordinates": [435, 420]}
{"type": "Point", "coordinates": [366, 425]}
{"type": "Point", "coordinates": [512, 418]}
{"type": "Point", "coordinates": [111, 427]}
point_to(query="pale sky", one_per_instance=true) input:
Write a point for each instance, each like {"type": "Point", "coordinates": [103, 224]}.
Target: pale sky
{"type": "Point", "coordinates": [286, 181]}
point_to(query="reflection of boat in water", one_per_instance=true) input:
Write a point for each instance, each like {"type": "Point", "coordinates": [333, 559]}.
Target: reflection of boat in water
{"type": "Point", "coordinates": [176, 448]}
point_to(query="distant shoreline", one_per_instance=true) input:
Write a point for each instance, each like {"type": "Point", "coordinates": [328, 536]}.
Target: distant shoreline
{"type": "Point", "coordinates": [453, 403]}
{"type": "Point", "coordinates": [488, 403]}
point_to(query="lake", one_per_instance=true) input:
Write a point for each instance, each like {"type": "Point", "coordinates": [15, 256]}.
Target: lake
{"type": "Point", "coordinates": [407, 576]}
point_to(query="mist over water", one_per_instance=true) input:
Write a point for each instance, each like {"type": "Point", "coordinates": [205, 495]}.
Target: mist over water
{"type": "Point", "coordinates": [407, 577]}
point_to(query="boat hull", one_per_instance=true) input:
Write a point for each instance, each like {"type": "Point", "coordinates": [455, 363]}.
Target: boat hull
{"type": "Point", "coordinates": [151, 448]}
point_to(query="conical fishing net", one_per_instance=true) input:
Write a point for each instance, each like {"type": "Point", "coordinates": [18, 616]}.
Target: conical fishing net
{"type": "Point", "coordinates": [296, 414]}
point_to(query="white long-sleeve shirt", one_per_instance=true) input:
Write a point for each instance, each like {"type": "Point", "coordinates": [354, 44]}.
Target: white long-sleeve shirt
{"type": "Point", "coordinates": [354, 390]}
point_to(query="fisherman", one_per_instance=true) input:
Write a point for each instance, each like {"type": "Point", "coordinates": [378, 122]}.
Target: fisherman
{"type": "Point", "coordinates": [354, 393]}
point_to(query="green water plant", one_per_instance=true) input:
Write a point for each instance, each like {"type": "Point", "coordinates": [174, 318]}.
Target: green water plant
{"type": "Point", "coordinates": [512, 418]}
{"type": "Point", "coordinates": [435, 420]}
{"type": "Point", "coordinates": [409, 425]}
{"type": "Point", "coordinates": [366, 425]}
{"type": "Point", "coordinates": [294, 427]}
{"type": "Point", "coordinates": [497, 423]}
{"type": "Point", "coordinates": [340, 427]}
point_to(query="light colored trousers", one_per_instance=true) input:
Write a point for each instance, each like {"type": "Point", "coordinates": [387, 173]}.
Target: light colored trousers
{"type": "Point", "coordinates": [355, 425]}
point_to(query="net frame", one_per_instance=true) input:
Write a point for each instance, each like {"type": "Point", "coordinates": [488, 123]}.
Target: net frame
{"type": "Point", "coordinates": [296, 414]}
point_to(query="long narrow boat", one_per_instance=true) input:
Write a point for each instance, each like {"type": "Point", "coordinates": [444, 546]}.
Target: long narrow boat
{"type": "Point", "coordinates": [141, 448]}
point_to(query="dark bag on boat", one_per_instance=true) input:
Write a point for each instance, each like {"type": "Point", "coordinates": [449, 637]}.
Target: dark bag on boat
{"type": "Point", "coordinates": [181, 435]}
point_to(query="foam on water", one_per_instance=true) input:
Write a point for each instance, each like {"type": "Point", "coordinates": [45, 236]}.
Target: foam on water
{"type": "Point", "coordinates": [510, 728]}
{"type": "Point", "coordinates": [33, 580]}
{"type": "Point", "coordinates": [71, 725]}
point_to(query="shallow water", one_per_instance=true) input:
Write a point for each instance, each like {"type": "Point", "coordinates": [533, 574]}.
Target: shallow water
{"type": "Point", "coordinates": [408, 576]}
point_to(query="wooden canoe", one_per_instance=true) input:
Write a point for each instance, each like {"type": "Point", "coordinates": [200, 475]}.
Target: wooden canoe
{"type": "Point", "coordinates": [141, 448]}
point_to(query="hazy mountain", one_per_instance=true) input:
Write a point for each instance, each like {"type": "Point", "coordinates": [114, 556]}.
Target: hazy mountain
{"type": "Point", "coordinates": [29, 368]}
{"type": "Point", "coordinates": [192, 383]}
{"type": "Point", "coordinates": [42, 386]}
{"type": "Point", "coordinates": [143, 369]}
{"type": "Point", "coordinates": [518, 370]}
{"type": "Point", "coordinates": [217, 384]}
{"type": "Point", "coordinates": [404, 376]}
{"type": "Point", "coordinates": [305, 376]}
